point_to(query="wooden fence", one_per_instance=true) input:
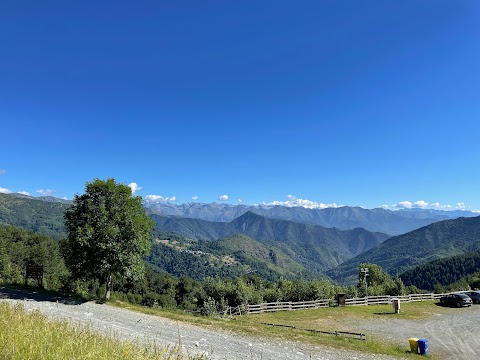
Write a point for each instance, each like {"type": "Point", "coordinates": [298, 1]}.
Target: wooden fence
{"type": "Point", "coordinates": [353, 335]}
{"type": "Point", "coordinates": [315, 304]}
{"type": "Point", "coordinates": [288, 305]}
{"type": "Point", "coordinates": [374, 300]}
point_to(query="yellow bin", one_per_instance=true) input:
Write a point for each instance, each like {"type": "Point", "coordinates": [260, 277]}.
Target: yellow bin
{"type": "Point", "coordinates": [413, 345]}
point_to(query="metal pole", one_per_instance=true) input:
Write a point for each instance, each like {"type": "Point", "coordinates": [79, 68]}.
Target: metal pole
{"type": "Point", "coordinates": [365, 273]}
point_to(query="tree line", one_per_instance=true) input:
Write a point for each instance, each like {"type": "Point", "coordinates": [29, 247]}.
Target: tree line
{"type": "Point", "coordinates": [440, 274]}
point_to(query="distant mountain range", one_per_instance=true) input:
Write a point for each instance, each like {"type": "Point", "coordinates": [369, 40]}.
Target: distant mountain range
{"type": "Point", "coordinates": [343, 218]}
{"type": "Point", "coordinates": [282, 240]}
{"type": "Point", "coordinates": [400, 253]}
{"type": "Point", "coordinates": [313, 246]}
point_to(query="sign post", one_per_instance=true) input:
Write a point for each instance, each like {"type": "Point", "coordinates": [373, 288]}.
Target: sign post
{"type": "Point", "coordinates": [34, 272]}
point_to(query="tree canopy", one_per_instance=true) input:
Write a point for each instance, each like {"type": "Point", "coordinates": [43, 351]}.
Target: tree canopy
{"type": "Point", "coordinates": [108, 233]}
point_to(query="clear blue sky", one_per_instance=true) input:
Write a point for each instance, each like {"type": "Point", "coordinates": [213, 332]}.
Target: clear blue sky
{"type": "Point", "coordinates": [348, 102]}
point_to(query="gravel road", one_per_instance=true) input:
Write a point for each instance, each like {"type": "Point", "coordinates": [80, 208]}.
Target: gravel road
{"type": "Point", "coordinates": [195, 340]}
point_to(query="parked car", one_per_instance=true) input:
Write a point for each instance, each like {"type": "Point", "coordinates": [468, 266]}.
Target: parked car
{"type": "Point", "coordinates": [457, 300]}
{"type": "Point", "coordinates": [474, 295]}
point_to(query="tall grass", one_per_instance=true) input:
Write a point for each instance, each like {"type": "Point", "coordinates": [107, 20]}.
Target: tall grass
{"type": "Point", "coordinates": [30, 335]}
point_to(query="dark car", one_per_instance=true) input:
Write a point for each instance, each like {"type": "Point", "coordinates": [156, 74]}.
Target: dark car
{"type": "Point", "coordinates": [457, 300]}
{"type": "Point", "coordinates": [474, 295]}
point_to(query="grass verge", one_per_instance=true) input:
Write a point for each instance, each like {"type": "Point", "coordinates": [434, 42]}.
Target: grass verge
{"type": "Point", "coordinates": [29, 335]}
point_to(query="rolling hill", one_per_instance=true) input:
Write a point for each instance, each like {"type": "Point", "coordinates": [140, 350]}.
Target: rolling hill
{"type": "Point", "coordinates": [42, 216]}
{"type": "Point", "coordinates": [228, 257]}
{"type": "Point", "coordinates": [314, 247]}
{"type": "Point", "coordinates": [432, 242]}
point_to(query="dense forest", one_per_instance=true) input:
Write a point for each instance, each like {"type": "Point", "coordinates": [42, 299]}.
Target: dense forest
{"type": "Point", "coordinates": [19, 246]}
{"type": "Point", "coordinates": [443, 272]}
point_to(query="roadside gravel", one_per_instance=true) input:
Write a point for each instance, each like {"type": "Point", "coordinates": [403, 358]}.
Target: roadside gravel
{"type": "Point", "coordinates": [126, 324]}
{"type": "Point", "coordinates": [451, 333]}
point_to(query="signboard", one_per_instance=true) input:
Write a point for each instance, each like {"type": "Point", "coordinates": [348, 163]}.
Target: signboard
{"type": "Point", "coordinates": [34, 272]}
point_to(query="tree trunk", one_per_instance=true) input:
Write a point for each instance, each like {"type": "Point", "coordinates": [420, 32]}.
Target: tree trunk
{"type": "Point", "coordinates": [109, 287]}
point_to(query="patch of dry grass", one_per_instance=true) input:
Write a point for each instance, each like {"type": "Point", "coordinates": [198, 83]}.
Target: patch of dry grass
{"type": "Point", "coordinates": [30, 335]}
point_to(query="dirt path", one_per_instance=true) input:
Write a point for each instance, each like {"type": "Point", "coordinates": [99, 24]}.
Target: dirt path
{"type": "Point", "coordinates": [217, 344]}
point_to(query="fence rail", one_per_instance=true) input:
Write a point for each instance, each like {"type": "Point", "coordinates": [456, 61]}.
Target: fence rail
{"type": "Point", "coordinates": [286, 306]}
{"type": "Point", "coordinates": [353, 335]}
{"type": "Point", "coordinates": [375, 300]}
{"type": "Point", "coordinates": [315, 304]}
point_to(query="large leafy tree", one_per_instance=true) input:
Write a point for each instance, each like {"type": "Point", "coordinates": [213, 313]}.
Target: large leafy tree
{"type": "Point", "coordinates": [108, 233]}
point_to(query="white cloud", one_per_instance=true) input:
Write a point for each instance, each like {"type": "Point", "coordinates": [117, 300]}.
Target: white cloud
{"type": "Point", "coordinates": [134, 187]}
{"type": "Point", "coordinates": [47, 192]}
{"type": "Point", "coordinates": [420, 204]}
{"type": "Point", "coordinates": [223, 198]}
{"type": "Point", "coordinates": [404, 205]}
{"type": "Point", "coordinates": [409, 205]}
{"type": "Point", "coordinates": [154, 198]}
{"type": "Point", "coordinates": [64, 198]}
{"type": "Point", "coordinates": [159, 198]}
{"type": "Point", "coordinates": [24, 193]}
{"type": "Point", "coordinates": [240, 200]}
{"type": "Point", "coordinates": [5, 190]}
{"type": "Point", "coordinates": [293, 201]}
{"type": "Point", "coordinates": [3, 171]}
{"type": "Point", "coordinates": [437, 205]}
{"type": "Point", "coordinates": [460, 206]}
{"type": "Point", "coordinates": [194, 198]}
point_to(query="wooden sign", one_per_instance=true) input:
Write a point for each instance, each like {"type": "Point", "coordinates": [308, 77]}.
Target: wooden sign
{"type": "Point", "coordinates": [34, 272]}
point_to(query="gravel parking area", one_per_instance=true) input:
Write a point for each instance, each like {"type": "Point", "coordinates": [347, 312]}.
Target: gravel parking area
{"type": "Point", "coordinates": [452, 333]}
{"type": "Point", "coordinates": [131, 325]}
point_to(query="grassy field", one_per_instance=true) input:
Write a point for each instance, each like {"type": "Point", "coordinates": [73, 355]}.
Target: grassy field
{"type": "Point", "coordinates": [325, 319]}
{"type": "Point", "coordinates": [29, 335]}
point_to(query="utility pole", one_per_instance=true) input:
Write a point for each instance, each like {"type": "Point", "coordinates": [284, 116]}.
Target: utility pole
{"type": "Point", "coordinates": [364, 271]}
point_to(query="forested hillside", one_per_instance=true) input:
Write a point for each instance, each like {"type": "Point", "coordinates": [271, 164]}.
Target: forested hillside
{"type": "Point", "coordinates": [229, 257]}
{"type": "Point", "coordinates": [314, 247]}
{"type": "Point", "coordinates": [40, 216]}
{"type": "Point", "coordinates": [432, 242]}
{"type": "Point", "coordinates": [442, 271]}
